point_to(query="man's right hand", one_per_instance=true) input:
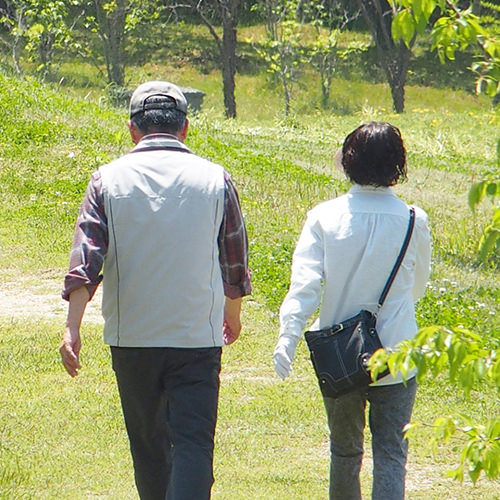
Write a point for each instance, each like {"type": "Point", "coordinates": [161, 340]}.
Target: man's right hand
{"type": "Point", "coordinates": [70, 350]}
{"type": "Point", "coordinates": [70, 343]}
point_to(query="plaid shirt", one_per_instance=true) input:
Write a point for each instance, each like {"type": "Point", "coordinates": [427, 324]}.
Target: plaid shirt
{"type": "Point", "coordinates": [90, 243]}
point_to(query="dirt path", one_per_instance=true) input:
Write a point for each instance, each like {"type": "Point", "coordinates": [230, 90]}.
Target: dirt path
{"type": "Point", "coordinates": [30, 299]}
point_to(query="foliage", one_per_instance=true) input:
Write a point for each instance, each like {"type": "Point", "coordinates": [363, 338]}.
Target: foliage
{"type": "Point", "coordinates": [489, 187]}
{"type": "Point", "coordinates": [453, 30]}
{"type": "Point", "coordinates": [466, 357]}
{"type": "Point", "coordinates": [471, 362]}
{"type": "Point", "coordinates": [39, 26]}
{"type": "Point", "coordinates": [43, 29]}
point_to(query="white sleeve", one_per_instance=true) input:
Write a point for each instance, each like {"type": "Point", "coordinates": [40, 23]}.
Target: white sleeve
{"type": "Point", "coordinates": [423, 255]}
{"type": "Point", "coordinates": [304, 294]}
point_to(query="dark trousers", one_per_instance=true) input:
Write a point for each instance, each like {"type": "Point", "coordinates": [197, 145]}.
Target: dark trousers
{"type": "Point", "coordinates": [390, 410]}
{"type": "Point", "coordinates": [169, 398]}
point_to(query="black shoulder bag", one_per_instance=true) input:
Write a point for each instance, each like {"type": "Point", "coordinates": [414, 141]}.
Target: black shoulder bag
{"type": "Point", "coordinates": [340, 353]}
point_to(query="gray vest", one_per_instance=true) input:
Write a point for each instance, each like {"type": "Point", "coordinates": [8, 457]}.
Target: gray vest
{"type": "Point", "coordinates": [162, 283]}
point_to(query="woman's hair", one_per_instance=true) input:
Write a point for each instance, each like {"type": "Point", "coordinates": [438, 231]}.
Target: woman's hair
{"type": "Point", "coordinates": [374, 154]}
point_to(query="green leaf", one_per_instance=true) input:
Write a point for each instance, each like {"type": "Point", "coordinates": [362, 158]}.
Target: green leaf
{"type": "Point", "coordinates": [487, 242]}
{"type": "Point", "coordinates": [491, 460]}
{"type": "Point", "coordinates": [475, 472]}
{"type": "Point", "coordinates": [476, 194]}
{"type": "Point", "coordinates": [444, 428]}
{"type": "Point", "coordinates": [403, 27]}
{"type": "Point", "coordinates": [428, 7]}
{"type": "Point", "coordinates": [491, 189]}
{"type": "Point", "coordinates": [422, 10]}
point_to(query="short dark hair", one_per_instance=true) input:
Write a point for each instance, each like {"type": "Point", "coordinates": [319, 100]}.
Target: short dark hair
{"type": "Point", "coordinates": [374, 154]}
{"type": "Point", "coordinates": [167, 120]}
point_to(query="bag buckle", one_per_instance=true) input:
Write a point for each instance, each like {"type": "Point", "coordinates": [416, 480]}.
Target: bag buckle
{"type": "Point", "coordinates": [336, 328]}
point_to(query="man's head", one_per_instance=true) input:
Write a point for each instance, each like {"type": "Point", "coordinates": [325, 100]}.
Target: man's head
{"type": "Point", "coordinates": [158, 107]}
{"type": "Point", "coordinates": [374, 154]}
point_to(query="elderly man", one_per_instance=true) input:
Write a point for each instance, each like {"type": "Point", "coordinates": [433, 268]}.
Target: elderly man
{"type": "Point", "coordinates": [165, 228]}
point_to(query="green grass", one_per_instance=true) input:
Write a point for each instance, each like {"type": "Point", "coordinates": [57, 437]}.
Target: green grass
{"type": "Point", "coordinates": [64, 439]}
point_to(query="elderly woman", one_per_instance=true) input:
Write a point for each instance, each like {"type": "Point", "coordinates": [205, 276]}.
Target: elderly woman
{"type": "Point", "coordinates": [343, 258]}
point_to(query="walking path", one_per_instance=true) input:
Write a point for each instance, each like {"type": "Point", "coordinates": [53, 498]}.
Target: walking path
{"type": "Point", "coordinates": [27, 299]}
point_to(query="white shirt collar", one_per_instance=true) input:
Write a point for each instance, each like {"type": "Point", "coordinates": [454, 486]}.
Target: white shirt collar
{"type": "Point", "coordinates": [384, 190]}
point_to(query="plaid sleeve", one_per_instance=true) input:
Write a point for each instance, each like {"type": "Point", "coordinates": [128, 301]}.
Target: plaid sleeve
{"type": "Point", "coordinates": [233, 245]}
{"type": "Point", "coordinates": [90, 242]}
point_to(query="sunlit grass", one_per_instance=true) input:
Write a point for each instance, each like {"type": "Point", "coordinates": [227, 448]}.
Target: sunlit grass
{"type": "Point", "coordinates": [64, 439]}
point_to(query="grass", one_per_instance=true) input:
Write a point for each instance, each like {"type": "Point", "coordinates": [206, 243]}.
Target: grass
{"type": "Point", "coordinates": [64, 439]}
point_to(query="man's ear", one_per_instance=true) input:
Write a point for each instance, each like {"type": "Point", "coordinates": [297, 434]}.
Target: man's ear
{"type": "Point", "coordinates": [184, 131]}
{"type": "Point", "coordinates": [135, 133]}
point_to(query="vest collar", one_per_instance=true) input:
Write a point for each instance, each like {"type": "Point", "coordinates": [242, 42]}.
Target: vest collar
{"type": "Point", "coordinates": [153, 142]}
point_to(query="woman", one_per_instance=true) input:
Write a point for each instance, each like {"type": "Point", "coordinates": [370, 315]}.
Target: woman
{"type": "Point", "coordinates": [343, 258]}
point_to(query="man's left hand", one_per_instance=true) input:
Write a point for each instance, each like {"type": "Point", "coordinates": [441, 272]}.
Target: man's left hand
{"type": "Point", "coordinates": [70, 350]}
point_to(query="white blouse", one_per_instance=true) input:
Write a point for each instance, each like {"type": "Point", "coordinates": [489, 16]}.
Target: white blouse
{"type": "Point", "coordinates": [343, 258]}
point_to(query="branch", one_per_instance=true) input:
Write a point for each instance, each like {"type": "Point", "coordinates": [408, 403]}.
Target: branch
{"type": "Point", "coordinates": [369, 20]}
{"type": "Point", "coordinates": [196, 6]}
{"type": "Point", "coordinates": [346, 19]}
{"type": "Point", "coordinates": [382, 15]}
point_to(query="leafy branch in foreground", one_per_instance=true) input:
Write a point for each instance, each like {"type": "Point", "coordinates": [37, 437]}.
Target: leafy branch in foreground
{"type": "Point", "coordinates": [453, 29]}
{"type": "Point", "coordinates": [470, 361]}
{"type": "Point", "coordinates": [488, 188]}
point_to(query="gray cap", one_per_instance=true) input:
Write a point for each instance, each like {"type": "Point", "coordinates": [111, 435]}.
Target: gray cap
{"type": "Point", "coordinates": [138, 101]}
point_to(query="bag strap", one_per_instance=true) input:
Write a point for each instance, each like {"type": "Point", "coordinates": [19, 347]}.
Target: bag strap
{"type": "Point", "coordinates": [400, 258]}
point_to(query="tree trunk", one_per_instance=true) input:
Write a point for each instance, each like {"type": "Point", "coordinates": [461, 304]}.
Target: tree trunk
{"type": "Point", "coordinates": [229, 12]}
{"type": "Point", "coordinates": [396, 68]}
{"type": "Point", "coordinates": [111, 29]}
{"type": "Point", "coordinates": [394, 57]}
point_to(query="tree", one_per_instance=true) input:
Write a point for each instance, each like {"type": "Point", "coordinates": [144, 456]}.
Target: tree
{"type": "Point", "coordinates": [110, 19]}
{"type": "Point", "coordinates": [12, 18]}
{"type": "Point", "coordinates": [454, 29]}
{"type": "Point", "coordinates": [393, 54]}
{"type": "Point", "coordinates": [224, 12]}
{"type": "Point", "coordinates": [395, 25]}
{"type": "Point", "coordinates": [489, 243]}
{"type": "Point", "coordinates": [229, 12]}
{"type": "Point", "coordinates": [282, 49]}
{"type": "Point", "coordinates": [323, 53]}
{"type": "Point", "coordinates": [459, 29]}
{"type": "Point", "coordinates": [39, 27]}
{"type": "Point", "coordinates": [110, 22]}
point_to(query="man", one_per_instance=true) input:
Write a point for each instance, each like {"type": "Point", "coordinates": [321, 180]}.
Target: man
{"type": "Point", "coordinates": [166, 229]}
